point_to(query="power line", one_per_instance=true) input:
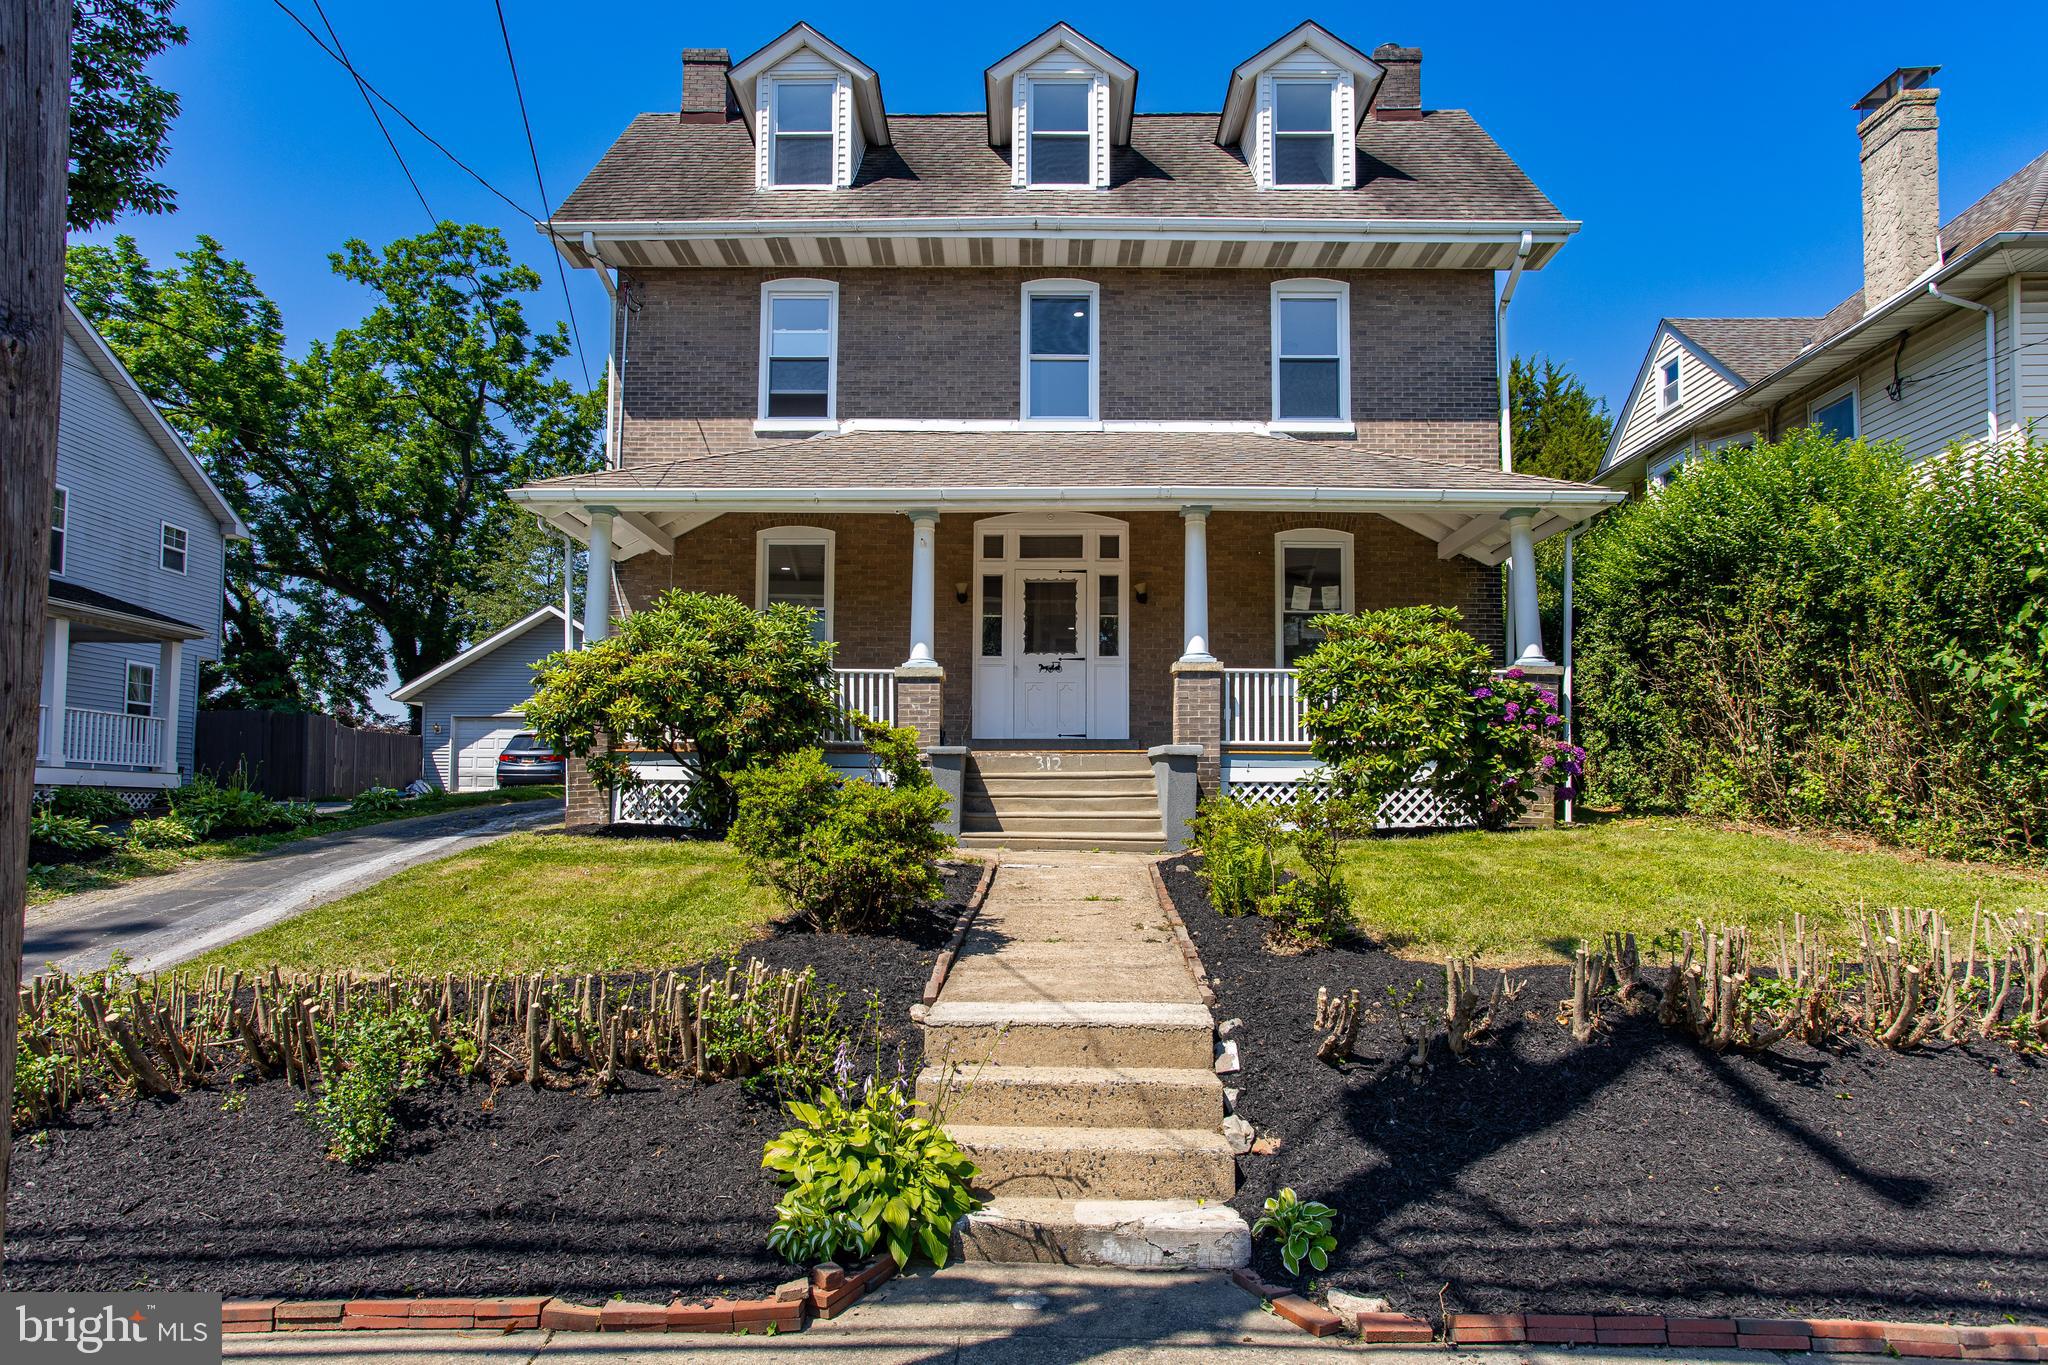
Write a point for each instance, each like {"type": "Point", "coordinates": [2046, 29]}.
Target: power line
{"type": "Point", "coordinates": [364, 83]}
{"type": "Point", "coordinates": [433, 220]}
{"type": "Point", "coordinates": [534, 152]}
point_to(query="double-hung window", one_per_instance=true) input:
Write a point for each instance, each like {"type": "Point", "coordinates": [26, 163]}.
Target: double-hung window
{"type": "Point", "coordinates": [1311, 352]}
{"type": "Point", "coordinates": [799, 351]}
{"type": "Point", "coordinates": [1061, 340]}
{"type": "Point", "coordinates": [794, 565]}
{"type": "Point", "coordinates": [803, 146]}
{"type": "Point", "coordinates": [1668, 391]}
{"type": "Point", "coordinates": [1061, 144]}
{"type": "Point", "coordinates": [1304, 132]}
{"type": "Point", "coordinates": [173, 553]}
{"type": "Point", "coordinates": [60, 511]}
{"type": "Point", "coordinates": [141, 689]}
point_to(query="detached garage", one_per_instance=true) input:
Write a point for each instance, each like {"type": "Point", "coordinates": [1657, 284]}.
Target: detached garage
{"type": "Point", "coordinates": [470, 706]}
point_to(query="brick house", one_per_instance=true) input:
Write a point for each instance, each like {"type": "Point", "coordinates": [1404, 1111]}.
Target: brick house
{"type": "Point", "coordinates": [1067, 419]}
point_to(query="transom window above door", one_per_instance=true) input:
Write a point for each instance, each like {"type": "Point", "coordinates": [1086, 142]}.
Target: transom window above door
{"type": "Point", "coordinates": [1311, 578]}
{"type": "Point", "coordinates": [799, 353]}
{"type": "Point", "coordinates": [1061, 336]}
{"type": "Point", "coordinates": [794, 565]}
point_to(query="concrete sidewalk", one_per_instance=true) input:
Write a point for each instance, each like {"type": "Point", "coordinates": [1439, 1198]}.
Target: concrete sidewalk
{"type": "Point", "coordinates": [161, 921]}
{"type": "Point", "coordinates": [974, 1315]}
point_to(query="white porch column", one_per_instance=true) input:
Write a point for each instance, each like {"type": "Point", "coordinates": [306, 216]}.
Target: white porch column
{"type": "Point", "coordinates": [1195, 586]}
{"type": "Point", "coordinates": [56, 687]}
{"type": "Point", "coordinates": [1528, 620]}
{"type": "Point", "coordinates": [170, 689]}
{"type": "Point", "coordinates": [924, 536]}
{"type": "Point", "coordinates": [597, 586]}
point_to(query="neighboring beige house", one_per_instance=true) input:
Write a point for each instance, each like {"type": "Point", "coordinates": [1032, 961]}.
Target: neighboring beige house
{"type": "Point", "coordinates": [1067, 419]}
{"type": "Point", "coordinates": [1947, 340]}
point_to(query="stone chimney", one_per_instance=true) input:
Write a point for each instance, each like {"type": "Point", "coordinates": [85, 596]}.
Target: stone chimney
{"type": "Point", "coordinates": [1901, 197]}
{"type": "Point", "coordinates": [706, 96]}
{"type": "Point", "coordinates": [1400, 94]}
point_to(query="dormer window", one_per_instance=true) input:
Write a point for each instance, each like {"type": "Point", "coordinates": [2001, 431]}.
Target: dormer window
{"type": "Point", "coordinates": [803, 136]}
{"type": "Point", "coordinates": [1061, 147]}
{"type": "Point", "coordinates": [1668, 391]}
{"type": "Point", "coordinates": [1304, 145]}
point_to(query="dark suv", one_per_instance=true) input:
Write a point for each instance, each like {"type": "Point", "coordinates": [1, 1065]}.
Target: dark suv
{"type": "Point", "coordinates": [527, 761]}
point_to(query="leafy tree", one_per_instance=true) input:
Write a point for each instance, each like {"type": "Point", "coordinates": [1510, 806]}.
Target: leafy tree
{"type": "Point", "coordinates": [525, 576]}
{"type": "Point", "coordinates": [1558, 429]}
{"type": "Point", "coordinates": [703, 678]}
{"type": "Point", "coordinates": [120, 118]}
{"type": "Point", "coordinates": [372, 471]}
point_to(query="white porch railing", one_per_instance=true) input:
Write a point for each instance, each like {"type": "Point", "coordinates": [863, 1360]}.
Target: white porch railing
{"type": "Point", "coordinates": [870, 691]}
{"type": "Point", "coordinates": [113, 738]}
{"type": "Point", "coordinates": [1262, 706]}
{"type": "Point", "coordinates": [42, 733]}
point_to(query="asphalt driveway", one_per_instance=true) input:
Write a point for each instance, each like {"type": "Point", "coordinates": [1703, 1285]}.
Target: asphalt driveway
{"type": "Point", "coordinates": [161, 921]}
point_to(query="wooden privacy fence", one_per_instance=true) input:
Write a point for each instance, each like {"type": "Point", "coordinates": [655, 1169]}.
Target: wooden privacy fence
{"type": "Point", "coordinates": [303, 756]}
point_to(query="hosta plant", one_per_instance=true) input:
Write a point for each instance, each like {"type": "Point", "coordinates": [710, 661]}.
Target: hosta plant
{"type": "Point", "coordinates": [805, 1234]}
{"type": "Point", "coordinates": [1303, 1228]}
{"type": "Point", "coordinates": [891, 1170]}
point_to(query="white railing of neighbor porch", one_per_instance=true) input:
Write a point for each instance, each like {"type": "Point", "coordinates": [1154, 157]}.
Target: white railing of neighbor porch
{"type": "Point", "coordinates": [1262, 706]}
{"type": "Point", "coordinates": [870, 691]}
{"type": "Point", "coordinates": [112, 737]}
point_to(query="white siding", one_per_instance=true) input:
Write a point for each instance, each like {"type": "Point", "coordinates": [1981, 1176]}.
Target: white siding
{"type": "Point", "coordinates": [2033, 357]}
{"type": "Point", "coordinates": [1942, 399]}
{"type": "Point", "coordinates": [1700, 386]}
{"type": "Point", "coordinates": [499, 682]}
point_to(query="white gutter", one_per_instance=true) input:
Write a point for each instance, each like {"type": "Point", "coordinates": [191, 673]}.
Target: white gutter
{"type": "Point", "coordinates": [1234, 497]}
{"type": "Point", "coordinates": [1990, 355]}
{"type": "Point", "coordinates": [1500, 349]}
{"type": "Point", "coordinates": [1315, 229]}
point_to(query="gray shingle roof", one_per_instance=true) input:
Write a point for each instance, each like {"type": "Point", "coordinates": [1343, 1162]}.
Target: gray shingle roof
{"type": "Point", "coordinates": [1067, 459]}
{"type": "Point", "coordinates": [1441, 166]}
{"type": "Point", "coordinates": [1751, 347]}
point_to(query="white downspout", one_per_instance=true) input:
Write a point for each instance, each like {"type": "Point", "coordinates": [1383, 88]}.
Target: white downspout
{"type": "Point", "coordinates": [615, 354]}
{"type": "Point", "coordinates": [1571, 538]}
{"type": "Point", "coordinates": [1507, 438]}
{"type": "Point", "coordinates": [1990, 356]}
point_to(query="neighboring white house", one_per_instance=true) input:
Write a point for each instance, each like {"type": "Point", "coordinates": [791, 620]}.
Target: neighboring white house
{"type": "Point", "coordinates": [471, 705]}
{"type": "Point", "coordinates": [1947, 340]}
{"type": "Point", "coordinates": [138, 554]}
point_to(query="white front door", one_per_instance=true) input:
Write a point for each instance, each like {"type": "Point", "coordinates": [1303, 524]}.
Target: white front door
{"type": "Point", "coordinates": [1052, 664]}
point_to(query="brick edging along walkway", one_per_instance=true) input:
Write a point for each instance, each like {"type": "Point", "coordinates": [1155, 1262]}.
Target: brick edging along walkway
{"type": "Point", "coordinates": [1842, 1336]}
{"type": "Point", "coordinates": [829, 1291]}
{"type": "Point", "coordinates": [944, 965]}
{"type": "Point", "coordinates": [1188, 952]}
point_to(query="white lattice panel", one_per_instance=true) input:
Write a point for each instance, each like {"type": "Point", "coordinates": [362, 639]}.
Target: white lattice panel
{"type": "Point", "coordinates": [662, 799]}
{"type": "Point", "coordinates": [1415, 807]}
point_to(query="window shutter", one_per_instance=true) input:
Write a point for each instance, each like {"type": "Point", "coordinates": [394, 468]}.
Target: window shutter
{"type": "Point", "coordinates": [1262, 136]}
{"type": "Point", "coordinates": [1020, 131]}
{"type": "Point", "coordinates": [764, 130]}
{"type": "Point", "coordinates": [1345, 144]}
{"type": "Point", "coordinates": [1099, 139]}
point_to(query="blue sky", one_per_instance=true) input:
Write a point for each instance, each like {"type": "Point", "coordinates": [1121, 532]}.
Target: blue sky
{"type": "Point", "coordinates": [1710, 153]}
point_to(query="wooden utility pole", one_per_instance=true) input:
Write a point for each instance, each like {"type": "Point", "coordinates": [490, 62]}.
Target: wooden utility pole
{"type": "Point", "coordinates": [35, 101]}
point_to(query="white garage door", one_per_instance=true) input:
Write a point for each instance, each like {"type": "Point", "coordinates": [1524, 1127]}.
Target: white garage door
{"type": "Point", "coordinates": [478, 742]}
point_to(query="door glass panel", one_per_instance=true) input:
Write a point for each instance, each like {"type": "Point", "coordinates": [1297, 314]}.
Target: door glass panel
{"type": "Point", "coordinates": [1108, 625]}
{"type": "Point", "coordinates": [796, 574]}
{"type": "Point", "coordinates": [1052, 616]}
{"type": "Point", "coordinates": [992, 616]}
{"type": "Point", "coordinates": [1111, 547]}
{"type": "Point", "coordinates": [1050, 547]}
{"type": "Point", "coordinates": [991, 547]}
{"type": "Point", "coordinates": [1311, 585]}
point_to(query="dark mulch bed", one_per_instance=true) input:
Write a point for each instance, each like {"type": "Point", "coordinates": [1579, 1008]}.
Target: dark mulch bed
{"type": "Point", "coordinates": [1637, 1173]}
{"type": "Point", "coordinates": [652, 1190]}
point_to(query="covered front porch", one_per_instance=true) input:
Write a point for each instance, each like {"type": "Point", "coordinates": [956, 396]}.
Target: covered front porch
{"type": "Point", "coordinates": [109, 717]}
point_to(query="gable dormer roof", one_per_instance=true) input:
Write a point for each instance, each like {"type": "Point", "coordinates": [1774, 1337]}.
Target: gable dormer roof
{"type": "Point", "coordinates": [867, 86]}
{"type": "Point", "coordinates": [1241, 95]}
{"type": "Point", "coordinates": [1122, 76]}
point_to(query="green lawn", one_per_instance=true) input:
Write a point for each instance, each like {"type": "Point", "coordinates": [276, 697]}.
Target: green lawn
{"type": "Point", "coordinates": [528, 902]}
{"type": "Point", "coordinates": [1530, 896]}
{"type": "Point", "coordinates": [124, 865]}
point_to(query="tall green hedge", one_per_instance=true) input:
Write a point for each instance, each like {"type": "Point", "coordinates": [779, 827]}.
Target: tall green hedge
{"type": "Point", "coordinates": [1823, 633]}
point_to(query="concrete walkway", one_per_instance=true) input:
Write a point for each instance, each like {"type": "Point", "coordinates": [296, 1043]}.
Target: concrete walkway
{"type": "Point", "coordinates": [974, 1315]}
{"type": "Point", "coordinates": [161, 921]}
{"type": "Point", "coordinates": [1086, 1090]}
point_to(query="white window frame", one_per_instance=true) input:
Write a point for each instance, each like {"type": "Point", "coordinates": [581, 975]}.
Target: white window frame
{"type": "Point", "coordinates": [1035, 288]}
{"type": "Point", "coordinates": [1335, 132]}
{"type": "Point", "coordinates": [1088, 81]}
{"type": "Point", "coordinates": [801, 289]}
{"type": "Point", "coordinates": [163, 549]}
{"type": "Point", "coordinates": [128, 688]}
{"type": "Point", "coordinates": [1671, 378]}
{"type": "Point", "coordinates": [797, 535]}
{"type": "Point", "coordinates": [1315, 289]}
{"type": "Point", "coordinates": [1314, 538]}
{"type": "Point", "coordinates": [1834, 396]}
{"type": "Point", "coordinates": [60, 528]}
{"type": "Point", "coordinates": [831, 135]}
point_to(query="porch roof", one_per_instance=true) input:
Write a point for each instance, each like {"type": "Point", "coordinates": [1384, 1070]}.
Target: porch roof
{"type": "Point", "coordinates": [1459, 506]}
{"type": "Point", "coordinates": [100, 616]}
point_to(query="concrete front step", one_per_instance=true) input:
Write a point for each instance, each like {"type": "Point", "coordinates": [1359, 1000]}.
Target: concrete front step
{"type": "Point", "coordinates": [1071, 1033]}
{"type": "Point", "coordinates": [1006, 762]}
{"type": "Point", "coordinates": [1020, 1162]}
{"type": "Point", "coordinates": [1107, 843]}
{"type": "Point", "coordinates": [1142, 802]}
{"type": "Point", "coordinates": [986, 981]}
{"type": "Point", "coordinates": [1050, 819]}
{"type": "Point", "coordinates": [1138, 1234]}
{"type": "Point", "coordinates": [1078, 1096]}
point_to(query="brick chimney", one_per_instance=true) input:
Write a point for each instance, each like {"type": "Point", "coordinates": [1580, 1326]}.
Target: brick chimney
{"type": "Point", "coordinates": [706, 96]}
{"type": "Point", "coordinates": [1400, 94]}
{"type": "Point", "coordinates": [1901, 197]}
